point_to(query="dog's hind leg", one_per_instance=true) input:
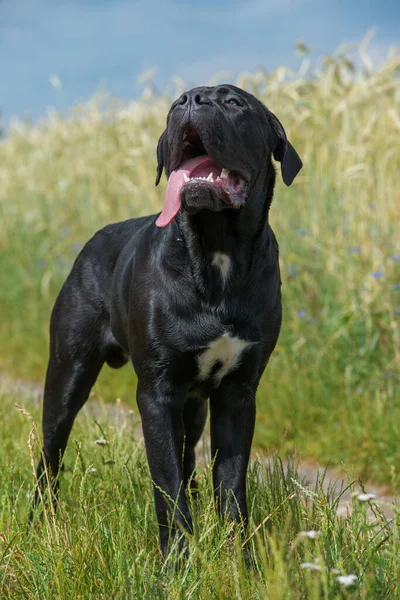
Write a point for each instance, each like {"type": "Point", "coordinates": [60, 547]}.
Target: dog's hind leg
{"type": "Point", "coordinates": [194, 419]}
{"type": "Point", "coordinates": [80, 343]}
{"type": "Point", "coordinates": [68, 384]}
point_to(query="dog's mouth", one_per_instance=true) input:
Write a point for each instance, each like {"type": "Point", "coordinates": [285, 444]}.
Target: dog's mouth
{"type": "Point", "coordinates": [199, 171]}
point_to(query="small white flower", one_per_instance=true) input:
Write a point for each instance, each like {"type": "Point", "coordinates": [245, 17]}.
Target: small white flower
{"type": "Point", "coordinates": [347, 580]}
{"type": "Point", "coordinates": [101, 442]}
{"type": "Point", "coordinates": [312, 534]}
{"type": "Point", "coordinates": [365, 497]}
{"type": "Point", "coordinates": [93, 469]}
{"type": "Point", "coordinates": [311, 566]}
{"type": "Point", "coordinates": [335, 571]}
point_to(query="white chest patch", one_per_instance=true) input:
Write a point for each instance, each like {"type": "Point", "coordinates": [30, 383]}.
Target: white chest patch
{"type": "Point", "coordinates": [224, 353]}
{"type": "Point", "coordinates": [223, 263]}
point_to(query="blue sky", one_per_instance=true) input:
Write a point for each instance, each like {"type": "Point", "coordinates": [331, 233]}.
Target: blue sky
{"type": "Point", "coordinates": [87, 43]}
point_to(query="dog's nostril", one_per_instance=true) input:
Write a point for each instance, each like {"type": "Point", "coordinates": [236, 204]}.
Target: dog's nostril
{"type": "Point", "coordinates": [199, 99]}
{"type": "Point", "coordinates": [183, 99]}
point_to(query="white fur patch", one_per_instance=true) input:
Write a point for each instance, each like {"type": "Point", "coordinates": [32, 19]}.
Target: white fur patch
{"type": "Point", "coordinates": [227, 351]}
{"type": "Point", "coordinates": [223, 263]}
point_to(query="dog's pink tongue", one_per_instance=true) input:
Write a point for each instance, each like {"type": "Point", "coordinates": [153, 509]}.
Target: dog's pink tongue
{"type": "Point", "coordinates": [172, 200]}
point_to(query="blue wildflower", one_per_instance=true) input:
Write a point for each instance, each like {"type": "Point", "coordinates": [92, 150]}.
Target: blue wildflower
{"type": "Point", "coordinates": [396, 257]}
{"type": "Point", "coordinates": [354, 249]}
{"type": "Point", "coordinates": [301, 314]}
{"type": "Point", "coordinates": [377, 274]}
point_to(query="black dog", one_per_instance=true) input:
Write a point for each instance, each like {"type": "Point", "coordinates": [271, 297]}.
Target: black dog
{"type": "Point", "coordinates": [192, 296]}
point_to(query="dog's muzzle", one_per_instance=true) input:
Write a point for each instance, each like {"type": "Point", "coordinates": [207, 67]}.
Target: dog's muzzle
{"type": "Point", "coordinates": [201, 179]}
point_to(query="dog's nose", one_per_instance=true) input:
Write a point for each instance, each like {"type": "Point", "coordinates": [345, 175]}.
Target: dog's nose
{"type": "Point", "coordinates": [199, 99]}
{"type": "Point", "coordinates": [193, 99]}
{"type": "Point", "coordinates": [182, 100]}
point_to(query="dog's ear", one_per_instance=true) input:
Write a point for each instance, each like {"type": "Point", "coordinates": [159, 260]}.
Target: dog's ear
{"type": "Point", "coordinates": [160, 156]}
{"type": "Point", "coordinates": [284, 151]}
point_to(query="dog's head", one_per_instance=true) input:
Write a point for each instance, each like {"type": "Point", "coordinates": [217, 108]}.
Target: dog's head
{"type": "Point", "coordinates": [217, 142]}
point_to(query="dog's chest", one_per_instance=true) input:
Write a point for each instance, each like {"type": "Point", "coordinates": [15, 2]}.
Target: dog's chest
{"type": "Point", "coordinates": [222, 356]}
{"type": "Point", "coordinates": [222, 263]}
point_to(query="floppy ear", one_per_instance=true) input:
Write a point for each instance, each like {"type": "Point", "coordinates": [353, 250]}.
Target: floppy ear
{"type": "Point", "coordinates": [284, 151]}
{"type": "Point", "coordinates": [160, 156]}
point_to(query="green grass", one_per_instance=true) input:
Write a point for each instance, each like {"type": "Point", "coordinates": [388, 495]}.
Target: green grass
{"type": "Point", "coordinates": [332, 387]}
{"type": "Point", "coordinates": [103, 542]}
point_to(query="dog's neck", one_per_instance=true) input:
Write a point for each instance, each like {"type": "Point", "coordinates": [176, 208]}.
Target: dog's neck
{"type": "Point", "coordinates": [221, 245]}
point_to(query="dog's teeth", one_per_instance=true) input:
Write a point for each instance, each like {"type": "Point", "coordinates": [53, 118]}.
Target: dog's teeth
{"type": "Point", "coordinates": [186, 178]}
{"type": "Point", "coordinates": [224, 173]}
{"type": "Point", "coordinates": [218, 178]}
{"type": "Point", "coordinates": [210, 177]}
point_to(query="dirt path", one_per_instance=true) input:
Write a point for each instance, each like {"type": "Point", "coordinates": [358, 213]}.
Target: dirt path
{"type": "Point", "coordinates": [334, 479]}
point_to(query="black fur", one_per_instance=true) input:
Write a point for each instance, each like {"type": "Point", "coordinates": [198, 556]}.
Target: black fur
{"type": "Point", "coordinates": [153, 294]}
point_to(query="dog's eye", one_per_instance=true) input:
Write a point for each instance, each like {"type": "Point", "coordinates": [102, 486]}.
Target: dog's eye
{"type": "Point", "coordinates": [233, 102]}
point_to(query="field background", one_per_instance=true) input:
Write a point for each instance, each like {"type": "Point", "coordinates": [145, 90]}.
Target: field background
{"type": "Point", "coordinates": [331, 390]}
{"type": "Point", "coordinates": [103, 542]}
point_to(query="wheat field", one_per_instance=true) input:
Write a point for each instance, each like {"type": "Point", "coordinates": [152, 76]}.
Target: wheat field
{"type": "Point", "coordinates": [331, 390]}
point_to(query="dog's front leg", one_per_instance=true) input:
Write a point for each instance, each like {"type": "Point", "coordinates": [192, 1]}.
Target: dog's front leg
{"type": "Point", "coordinates": [163, 429]}
{"type": "Point", "coordinates": [233, 410]}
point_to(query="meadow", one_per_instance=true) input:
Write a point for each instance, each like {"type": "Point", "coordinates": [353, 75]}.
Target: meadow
{"type": "Point", "coordinates": [331, 390]}
{"type": "Point", "coordinates": [103, 541]}
{"type": "Point", "coordinates": [332, 386]}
